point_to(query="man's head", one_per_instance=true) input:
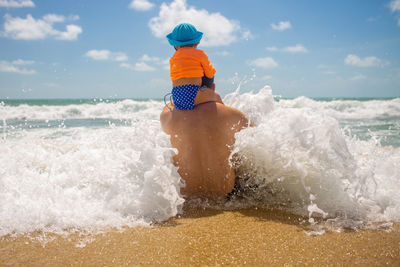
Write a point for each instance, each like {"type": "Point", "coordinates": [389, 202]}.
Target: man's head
{"type": "Point", "coordinates": [184, 34]}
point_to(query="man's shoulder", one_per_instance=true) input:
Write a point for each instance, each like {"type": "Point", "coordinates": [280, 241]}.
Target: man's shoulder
{"type": "Point", "coordinates": [234, 115]}
{"type": "Point", "coordinates": [230, 110]}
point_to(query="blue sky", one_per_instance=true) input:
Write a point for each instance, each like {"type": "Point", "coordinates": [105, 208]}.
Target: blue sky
{"type": "Point", "coordinates": [98, 48]}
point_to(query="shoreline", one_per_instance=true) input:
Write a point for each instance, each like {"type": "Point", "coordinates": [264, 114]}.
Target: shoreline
{"type": "Point", "coordinates": [201, 237]}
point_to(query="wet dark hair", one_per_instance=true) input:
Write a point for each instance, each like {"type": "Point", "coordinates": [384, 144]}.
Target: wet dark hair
{"type": "Point", "coordinates": [189, 45]}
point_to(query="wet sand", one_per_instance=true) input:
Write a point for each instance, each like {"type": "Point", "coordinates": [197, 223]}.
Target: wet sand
{"type": "Point", "coordinates": [210, 238]}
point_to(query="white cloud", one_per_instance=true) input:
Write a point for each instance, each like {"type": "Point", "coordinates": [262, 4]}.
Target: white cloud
{"type": "Point", "coordinates": [326, 69]}
{"type": "Point", "coordinates": [165, 64]}
{"type": "Point", "coordinates": [98, 54]}
{"type": "Point", "coordinates": [34, 29]}
{"type": "Point", "coordinates": [126, 66]}
{"type": "Point", "coordinates": [354, 60]}
{"type": "Point", "coordinates": [73, 17]}
{"type": "Point", "coordinates": [281, 26]}
{"type": "Point", "coordinates": [223, 53]}
{"type": "Point", "coordinates": [14, 67]}
{"type": "Point", "coordinates": [145, 60]}
{"type": "Point", "coordinates": [26, 29]}
{"type": "Point", "coordinates": [106, 55]}
{"type": "Point", "coordinates": [264, 62]}
{"type": "Point", "coordinates": [16, 3]}
{"type": "Point", "coordinates": [296, 49]}
{"type": "Point", "coordinates": [71, 34]}
{"type": "Point", "coordinates": [143, 66]}
{"type": "Point", "coordinates": [328, 72]}
{"type": "Point", "coordinates": [247, 35]}
{"type": "Point", "coordinates": [165, 61]}
{"type": "Point", "coordinates": [23, 62]}
{"type": "Point", "coordinates": [291, 49]}
{"type": "Point", "coordinates": [218, 30]}
{"type": "Point", "coordinates": [141, 5]}
{"type": "Point", "coordinates": [52, 18]}
{"type": "Point", "coordinates": [272, 48]}
{"type": "Point", "coordinates": [358, 77]}
{"type": "Point", "coordinates": [394, 5]}
{"type": "Point", "coordinates": [146, 57]}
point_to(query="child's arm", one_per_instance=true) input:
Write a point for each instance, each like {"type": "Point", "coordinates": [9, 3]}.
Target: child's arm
{"type": "Point", "coordinates": [207, 82]}
{"type": "Point", "coordinates": [209, 70]}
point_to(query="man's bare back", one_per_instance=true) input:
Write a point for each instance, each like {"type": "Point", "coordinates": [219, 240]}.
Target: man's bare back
{"type": "Point", "coordinates": [204, 137]}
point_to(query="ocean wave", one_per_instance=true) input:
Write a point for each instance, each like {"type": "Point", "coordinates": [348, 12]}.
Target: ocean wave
{"type": "Point", "coordinates": [89, 179]}
{"type": "Point", "coordinates": [124, 109]}
{"type": "Point", "coordinates": [300, 158]}
{"type": "Point", "coordinates": [348, 109]}
{"type": "Point", "coordinates": [296, 157]}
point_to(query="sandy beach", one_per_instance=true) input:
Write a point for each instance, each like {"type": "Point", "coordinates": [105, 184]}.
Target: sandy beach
{"type": "Point", "coordinates": [201, 237]}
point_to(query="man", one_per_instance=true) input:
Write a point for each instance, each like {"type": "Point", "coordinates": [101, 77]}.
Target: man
{"type": "Point", "coordinates": [204, 137]}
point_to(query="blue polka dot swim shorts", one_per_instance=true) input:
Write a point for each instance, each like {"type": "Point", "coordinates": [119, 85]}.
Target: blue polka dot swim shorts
{"type": "Point", "coordinates": [184, 95]}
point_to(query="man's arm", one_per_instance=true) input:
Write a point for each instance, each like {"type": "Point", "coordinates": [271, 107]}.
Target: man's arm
{"type": "Point", "coordinates": [240, 121]}
{"type": "Point", "coordinates": [166, 117]}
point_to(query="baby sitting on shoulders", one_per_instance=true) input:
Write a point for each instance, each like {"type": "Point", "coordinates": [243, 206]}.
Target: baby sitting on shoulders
{"type": "Point", "coordinates": [190, 68]}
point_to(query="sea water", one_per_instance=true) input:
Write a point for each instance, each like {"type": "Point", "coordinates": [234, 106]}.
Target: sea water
{"type": "Point", "coordinates": [92, 164]}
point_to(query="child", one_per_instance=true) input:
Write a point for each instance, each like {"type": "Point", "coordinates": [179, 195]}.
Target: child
{"type": "Point", "coordinates": [190, 68]}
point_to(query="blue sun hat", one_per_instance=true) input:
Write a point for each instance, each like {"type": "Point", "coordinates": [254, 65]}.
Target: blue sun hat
{"type": "Point", "coordinates": [184, 34]}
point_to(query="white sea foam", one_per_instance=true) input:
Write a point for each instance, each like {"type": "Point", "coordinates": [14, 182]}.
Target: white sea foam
{"type": "Point", "coordinates": [55, 179]}
{"type": "Point", "coordinates": [124, 109]}
{"type": "Point", "coordinates": [296, 156]}
{"type": "Point", "coordinates": [348, 109]}
{"type": "Point", "coordinates": [301, 159]}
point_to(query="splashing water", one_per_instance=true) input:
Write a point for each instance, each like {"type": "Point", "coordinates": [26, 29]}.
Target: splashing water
{"type": "Point", "coordinates": [91, 166]}
{"type": "Point", "coordinates": [300, 158]}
